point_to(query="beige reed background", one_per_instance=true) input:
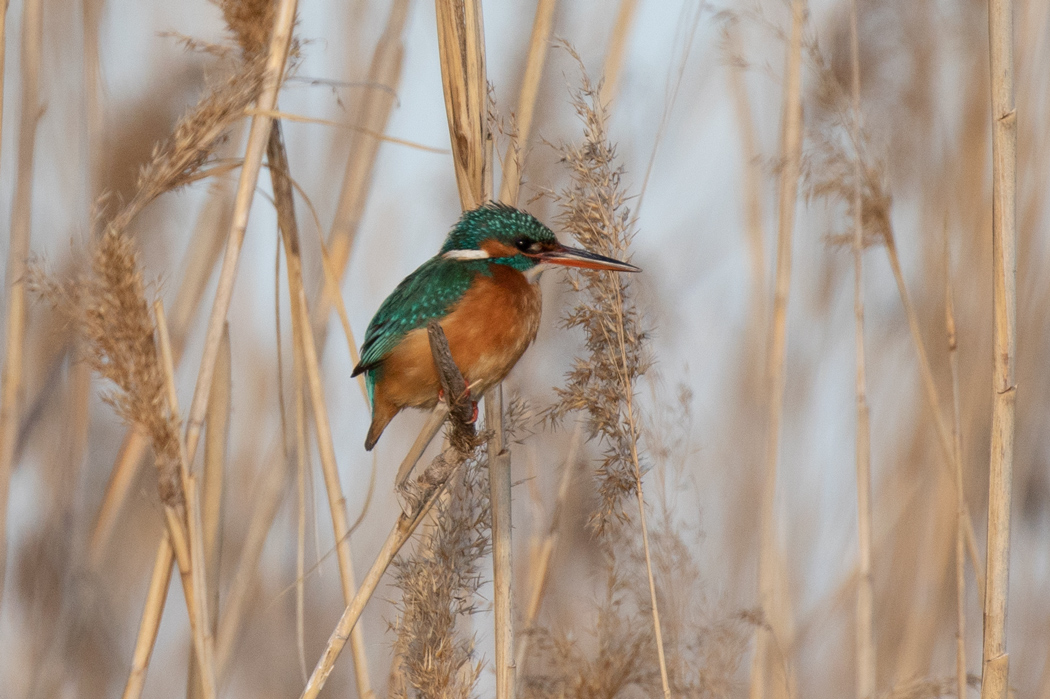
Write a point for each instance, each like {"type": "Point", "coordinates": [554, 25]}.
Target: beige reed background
{"type": "Point", "coordinates": [801, 410]}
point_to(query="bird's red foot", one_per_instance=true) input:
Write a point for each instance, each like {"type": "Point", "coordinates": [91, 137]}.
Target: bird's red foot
{"type": "Point", "coordinates": [473, 410]}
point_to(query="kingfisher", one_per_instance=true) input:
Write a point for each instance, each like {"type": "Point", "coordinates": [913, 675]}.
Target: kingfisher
{"type": "Point", "coordinates": [482, 288]}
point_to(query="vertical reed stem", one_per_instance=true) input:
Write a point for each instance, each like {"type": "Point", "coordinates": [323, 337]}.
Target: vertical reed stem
{"type": "Point", "coordinates": [995, 683]}
{"type": "Point", "coordinates": [791, 151]}
{"type": "Point", "coordinates": [21, 223]}
{"type": "Point", "coordinates": [865, 592]}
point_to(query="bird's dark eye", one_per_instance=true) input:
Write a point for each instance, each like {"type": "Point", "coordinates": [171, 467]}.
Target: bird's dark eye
{"type": "Point", "coordinates": [527, 246]}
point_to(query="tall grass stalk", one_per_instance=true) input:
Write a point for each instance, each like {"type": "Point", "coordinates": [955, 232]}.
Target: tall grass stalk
{"type": "Point", "coordinates": [995, 681]}
{"type": "Point", "coordinates": [865, 584]}
{"type": "Point", "coordinates": [21, 225]}
{"type": "Point", "coordinates": [790, 157]}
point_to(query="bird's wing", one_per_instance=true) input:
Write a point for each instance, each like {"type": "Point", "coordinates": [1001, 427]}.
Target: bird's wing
{"type": "Point", "coordinates": [429, 292]}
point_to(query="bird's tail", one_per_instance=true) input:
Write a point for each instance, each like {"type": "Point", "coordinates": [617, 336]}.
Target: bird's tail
{"type": "Point", "coordinates": [382, 414]}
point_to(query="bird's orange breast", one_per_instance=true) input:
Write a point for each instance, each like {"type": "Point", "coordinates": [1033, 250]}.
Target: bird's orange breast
{"type": "Point", "coordinates": [488, 331]}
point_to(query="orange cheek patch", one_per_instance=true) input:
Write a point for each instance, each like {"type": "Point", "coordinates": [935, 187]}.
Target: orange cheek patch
{"type": "Point", "coordinates": [497, 249]}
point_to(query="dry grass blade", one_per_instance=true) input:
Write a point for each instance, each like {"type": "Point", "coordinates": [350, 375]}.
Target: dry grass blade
{"type": "Point", "coordinates": [790, 155]}
{"type": "Point", "coordinates": [995, 684]}
{"type": "Point", "coordinates": [865, 583]}
{"type": "Point", "coordinates": [258, 136]}
{"type": "Point", "coordinates": [15, 286]}
{"type": "Point", "coordinates": [423, 495]}
{"type": "Point", "coordinates": [303, 337]}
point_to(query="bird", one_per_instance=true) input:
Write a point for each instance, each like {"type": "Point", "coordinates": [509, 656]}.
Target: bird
{"type": "Point", "coordinates": [482, 287]}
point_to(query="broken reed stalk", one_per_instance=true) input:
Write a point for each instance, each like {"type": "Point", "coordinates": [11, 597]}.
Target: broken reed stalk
{"type": "Point", "coordinates": [303, 336]}
{"type": "Point", "coordinates": [960, 496]}
{"type": "Point", "coordinates": [17, 253]}
{"type": "Point", "coordinates": [790, 161]}
{"type": "Point", "coordinates": [865, 613]}
{"type": "Point", "coordinates": [431, 485]}
{"type": "Point", "coordinates": [615, 53]}
{"type": "Point", "coordinates": [995, 682]}
{"type": "Point", "coordinates": [258, 135]}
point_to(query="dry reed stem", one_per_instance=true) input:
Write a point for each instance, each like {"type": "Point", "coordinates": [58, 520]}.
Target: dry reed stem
{"type": "Point", "coordinates": [429, 489]}
{"type": "Point", "coordinates": [865, 614]}
{"type": "Point", "coordinates": [617, 48]}
{"type": "Point", "coordinates": [258, 136]}
{"type": "Point", "coordinates": [502, 548]}
{"type": "Point", "coordinates": [539, 44]}
{"type": "Point", "coordinates": [540, 571]}
{"type": "Point", "coordinates": [791, 150]}
{"type": "Point", "coordinates": [303, 336]}
{"type": "Point", "coordinates": [995, 682]}
{"type": "Point", "coordinates": [462, 52]}
{"type": "Point", "coordinates": [18, 251]}
{"type": "Point", "coordinates": [215, 440]}
{"type": "Point", "coordinates": [192, 572]}
{"type": "Point", "coordinates": [960, 496]}
{"type": "Point", "coordinates": [151, 614]}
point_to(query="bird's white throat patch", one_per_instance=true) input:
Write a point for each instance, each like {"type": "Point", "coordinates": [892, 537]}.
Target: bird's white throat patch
{"type": "Point", "coordinates": [466, 255]}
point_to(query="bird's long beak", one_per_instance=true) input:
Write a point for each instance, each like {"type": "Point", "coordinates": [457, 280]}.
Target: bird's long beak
{"type": "Point", "coordinates": [574, 257]}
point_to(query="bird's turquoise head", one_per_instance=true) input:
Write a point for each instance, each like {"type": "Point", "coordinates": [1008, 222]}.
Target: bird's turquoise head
{"type": "Point", "coordinates": [504, 235]}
